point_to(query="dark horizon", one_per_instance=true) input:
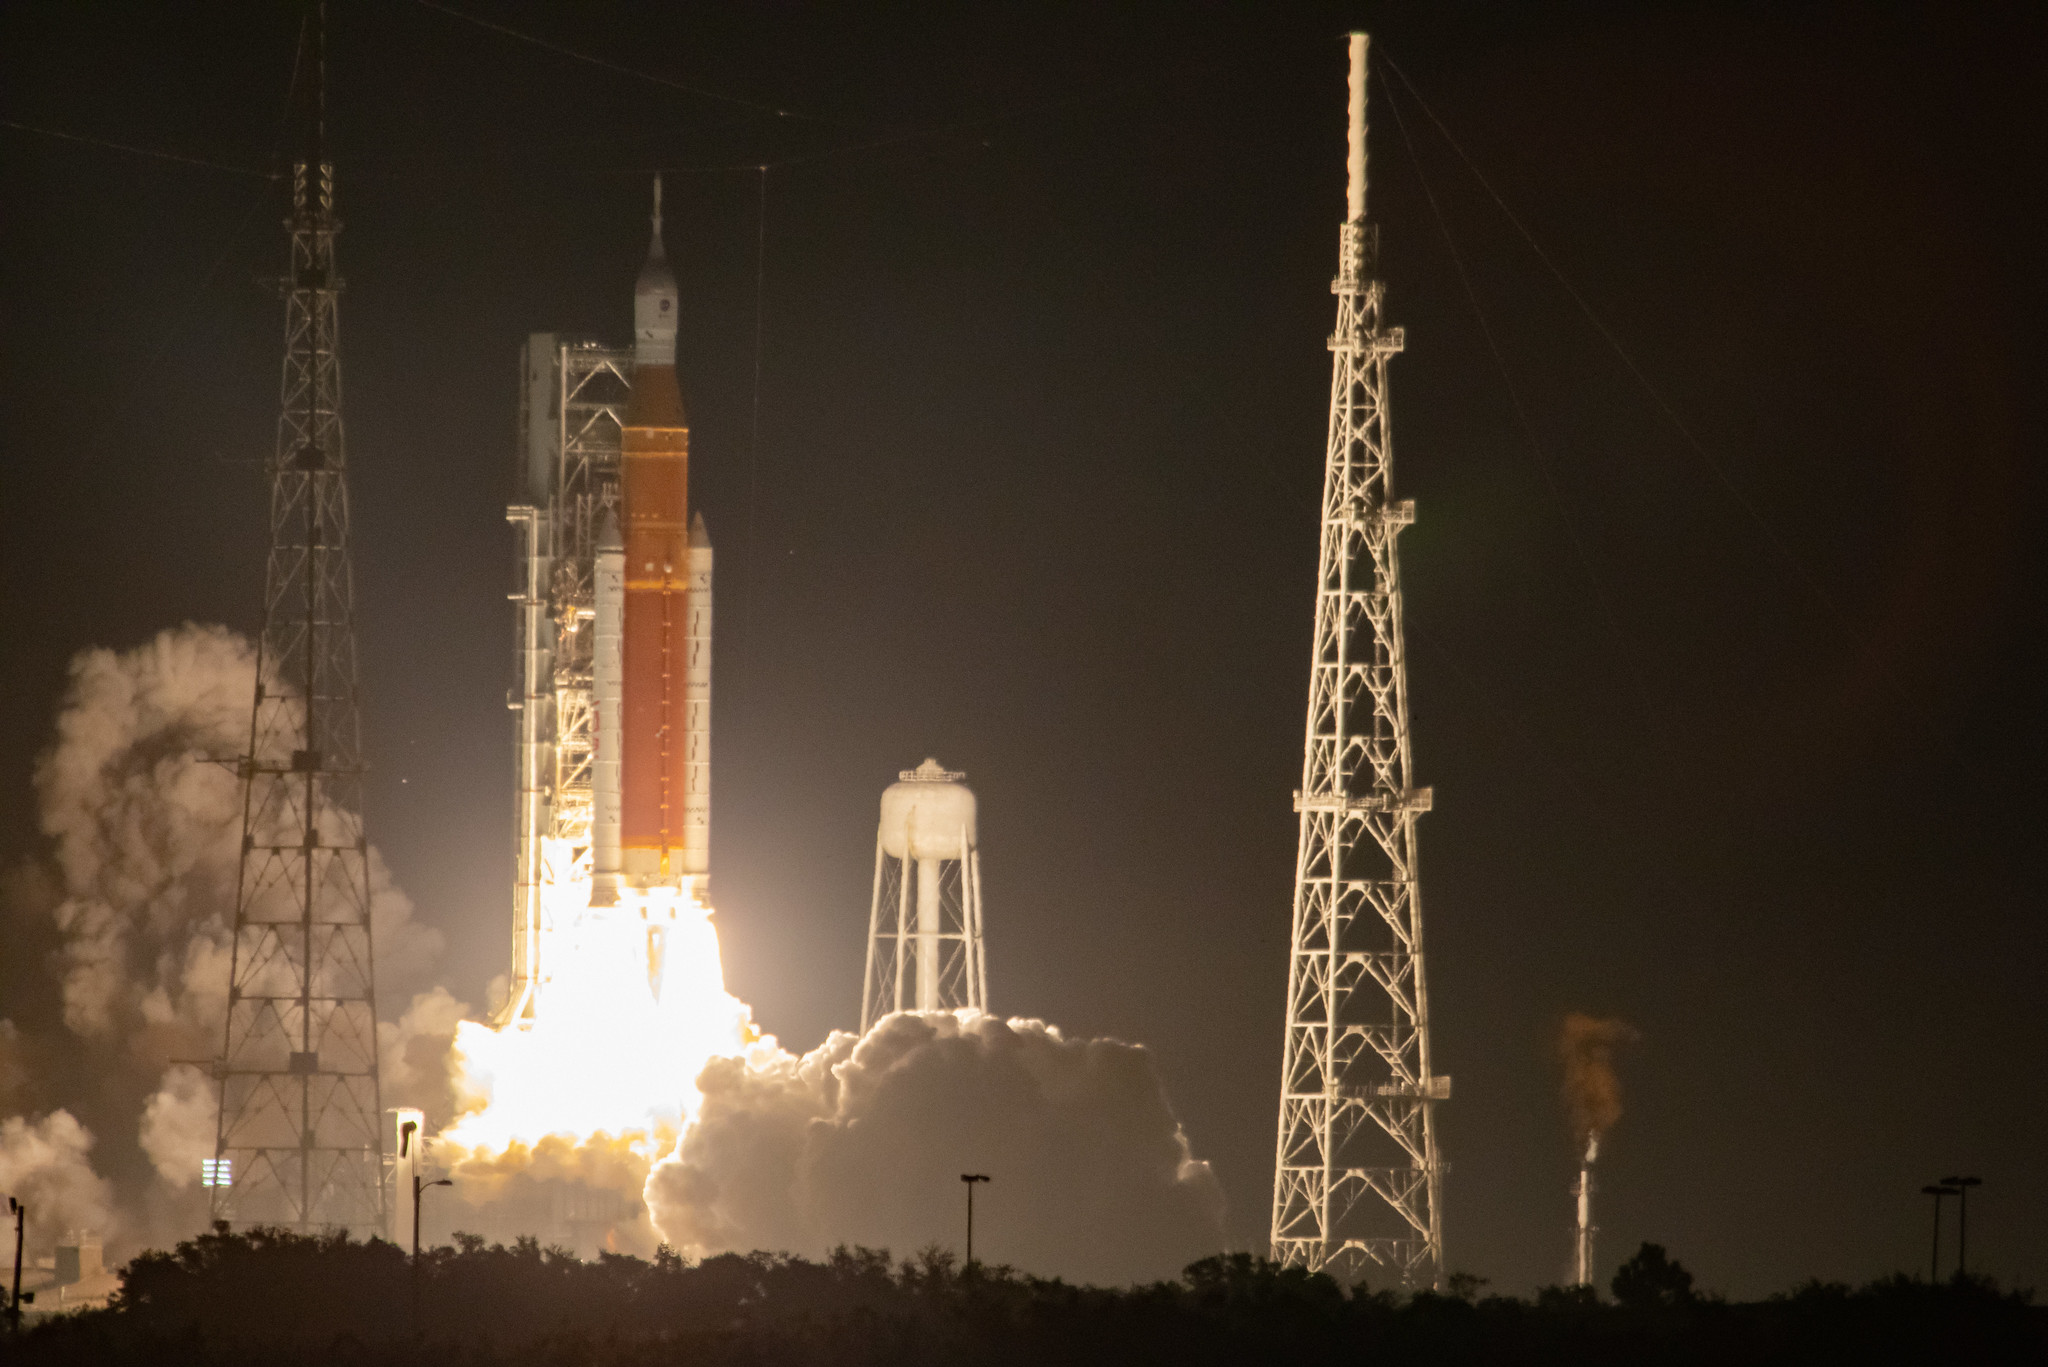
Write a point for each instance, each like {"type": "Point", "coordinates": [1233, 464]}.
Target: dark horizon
{"type": "Point", "coordinates": [1727, 709]}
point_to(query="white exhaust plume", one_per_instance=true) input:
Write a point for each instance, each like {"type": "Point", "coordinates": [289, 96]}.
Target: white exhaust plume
{"type": "Point", "coordinates": [862, 1140]}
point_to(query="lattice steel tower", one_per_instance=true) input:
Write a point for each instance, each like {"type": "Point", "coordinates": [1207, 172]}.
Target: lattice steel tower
{"type": "Point", "coordinates": [1357, 1181]}
{"type": "Point", "coordinates": [300, 1110]}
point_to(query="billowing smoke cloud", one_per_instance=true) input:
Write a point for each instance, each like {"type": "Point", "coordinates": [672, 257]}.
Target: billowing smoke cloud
{"type": "Point", "coordinates": [584, 1194]}
{"type": "Point", "coordinates": [415, 1063]}
{"type": "Point", "coordinates": [142, 805]}
{"type": "Point", "coordinates": [863, 1140]}
{"type": "Point", "coordinates": [178, 1125]}
{"type": "Point", "coordinates": [1592, 1091]}
{"type": "Point", "coordinates": [43, 1164]}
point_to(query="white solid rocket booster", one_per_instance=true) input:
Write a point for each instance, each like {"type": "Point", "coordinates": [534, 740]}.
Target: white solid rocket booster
{"type": "Point", "coordinates": [607, 686]}
{"type": "Point", "coordinates": [697, 717]}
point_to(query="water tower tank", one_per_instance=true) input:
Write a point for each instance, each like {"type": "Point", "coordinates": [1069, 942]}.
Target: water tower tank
{"type": "Point", "coordinates": [924, 925]}
{"type": "Point", "coordinates": [928, 814]}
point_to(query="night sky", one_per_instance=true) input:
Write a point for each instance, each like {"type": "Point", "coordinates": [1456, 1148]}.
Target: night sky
{"type": "Point", "coordinates": [1724, 596]}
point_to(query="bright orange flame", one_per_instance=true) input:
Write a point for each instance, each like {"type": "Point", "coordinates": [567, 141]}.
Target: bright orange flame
{"type": "Point", "coordinates": [630, 1006]}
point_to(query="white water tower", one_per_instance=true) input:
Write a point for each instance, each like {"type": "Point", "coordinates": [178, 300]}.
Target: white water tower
{"type": "Point", "coordinates": [924, 930]}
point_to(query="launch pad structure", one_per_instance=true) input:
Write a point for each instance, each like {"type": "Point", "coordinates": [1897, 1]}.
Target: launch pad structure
{"type": "Point", "coordinates": [572, 401]}
{"type": "Point", "coordinates": [1357, 1182]}
{"type": "Point", "coordinates": [575, 843]}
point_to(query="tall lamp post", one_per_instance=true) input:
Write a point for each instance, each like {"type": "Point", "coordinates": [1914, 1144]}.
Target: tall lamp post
{"type": "Point", "coordinates": [407, 1134]}
{"type": "Point", "coordinates": [1962, 1187]}
{"type": "Point", "coordinates": [1934, 1260]}
{"type": "Point", "coordinates": [971, 1178]}
{"type": "Point", "coordinates": [14, 1304]}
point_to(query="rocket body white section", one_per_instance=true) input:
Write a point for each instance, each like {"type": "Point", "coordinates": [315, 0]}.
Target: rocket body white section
{"type": "Point", "coordinates": [697, 717]}
{"type": "Point", "coordinates": [607, 678]}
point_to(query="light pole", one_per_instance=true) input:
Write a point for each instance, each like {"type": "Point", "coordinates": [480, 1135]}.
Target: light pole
{"type": "Point", "coordinates": [14, 1305]}
{"type": "Point", "coordinates": [1934, 1260]}
{"type": "Point", "coordinates": [419, 1189]}
{"type": "Point", "coordinates": [1962, 1187]}
{"type": "Point", "coordinates": [970, 1178]}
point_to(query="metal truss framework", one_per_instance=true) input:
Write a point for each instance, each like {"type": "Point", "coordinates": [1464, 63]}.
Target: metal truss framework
{"type": "Point", "coordinates": [300, 1113]}
{"type": "Point", "coordinates": [1357, 1181]}
{"type": "Point", "coordinates": [893, 938]}
{"type": "Point", "coordinates": [572, 406]}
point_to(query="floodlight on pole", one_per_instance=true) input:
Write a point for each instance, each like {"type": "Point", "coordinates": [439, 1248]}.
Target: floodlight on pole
{"type": "Point", "coordinates": [1961, 1186]}
{"type": "Point", "coordinates": [970, 1179]}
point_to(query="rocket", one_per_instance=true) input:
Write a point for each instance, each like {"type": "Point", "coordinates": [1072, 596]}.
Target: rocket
{"type": "Point", "coordinates": [651, 671]}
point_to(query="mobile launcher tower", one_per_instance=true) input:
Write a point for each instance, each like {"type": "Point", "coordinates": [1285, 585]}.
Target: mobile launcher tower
{"type": "Point", "coordinates": [613, 637]}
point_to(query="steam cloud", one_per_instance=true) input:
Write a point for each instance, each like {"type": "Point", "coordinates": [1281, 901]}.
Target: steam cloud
{"type": "Point", "coordinates": [122, 934]}
{"type": "Point", "coordinates": [135, 902]}
{"type": "Point", "coordinates": [1592, 1091]}
{"type": "Point", "coordinates": [863, 1140]}
{"type": "Point", "coordinates": [43, 1164]}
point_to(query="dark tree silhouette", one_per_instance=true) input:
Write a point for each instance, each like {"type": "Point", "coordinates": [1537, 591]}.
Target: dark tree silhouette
{"type": "Point", "coordinates": [1652, 1278]}
{"type": "Point", "coordinates": [272, 1297]}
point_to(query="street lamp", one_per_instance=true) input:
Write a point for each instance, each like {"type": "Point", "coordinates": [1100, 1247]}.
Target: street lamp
{"type": "Point", "coordinates": [971, 1178]}
{"type": "Point", "coordinates": [1934, 1262]}
{"type": "Point", "coordinates": [14, 1305]}
{"type": "Point", "coordinates": [407, 1133]}
{"type": "Point", "coordinates": [1962, 1187]}
{"type": "Point", "coordinates": [419, 1189]}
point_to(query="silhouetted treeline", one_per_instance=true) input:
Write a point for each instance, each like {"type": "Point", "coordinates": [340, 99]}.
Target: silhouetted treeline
{"type": "Point", "coordinates": [224, 1300]}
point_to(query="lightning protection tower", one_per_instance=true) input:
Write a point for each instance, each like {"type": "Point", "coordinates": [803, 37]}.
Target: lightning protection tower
{"type": "Point", "coordinates": [924, 926]}
{"type": "Point", "coordinates": [300, 1138]}
{"type": "Point", "coordinates": [1357, 1181]}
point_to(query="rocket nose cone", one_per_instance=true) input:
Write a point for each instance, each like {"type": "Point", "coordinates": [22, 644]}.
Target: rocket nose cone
{"type": "Point", "coordinates": [654, 300]}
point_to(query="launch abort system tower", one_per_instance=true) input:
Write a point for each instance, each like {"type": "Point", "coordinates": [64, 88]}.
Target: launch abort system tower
{"type": "Point", "coordinates": [300, 1137]}
{"type": "Point", "coordinates": [1357, 1180]}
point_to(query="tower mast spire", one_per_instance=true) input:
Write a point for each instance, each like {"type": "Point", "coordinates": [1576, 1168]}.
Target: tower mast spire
{"type": "Point", "coordinates": [1357, 1182]}
{"type": "Point", "coordinates": [300, 1141]}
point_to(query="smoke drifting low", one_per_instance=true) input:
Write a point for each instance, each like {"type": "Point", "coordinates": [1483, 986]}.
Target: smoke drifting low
{"type": "Point", "coordinates": [1592, 1091]}
{"type": "Point", "coordinates": [116, 977]}
{"type": "Point", "coordinates": [863, 1140]}
{"type": "Point", "coordinates": [119, 937]}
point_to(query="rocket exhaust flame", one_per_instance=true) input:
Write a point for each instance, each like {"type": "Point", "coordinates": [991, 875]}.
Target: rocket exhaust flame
{"type": "Point", "coordinates": [634, 1007]}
